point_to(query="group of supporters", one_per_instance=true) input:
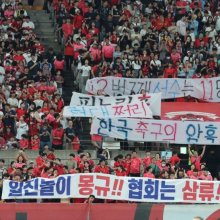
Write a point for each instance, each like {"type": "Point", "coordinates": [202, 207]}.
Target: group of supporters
{"type": "Point", "coordinates": [48, 165]}
{"type": "Point", "coordinates": [140, 39]}
{"type": "Point", "coordinates": [134, 39]}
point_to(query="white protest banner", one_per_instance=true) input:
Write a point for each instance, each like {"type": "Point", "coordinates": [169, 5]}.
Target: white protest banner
{"type": "Point", "coordinates": [204, 89]}
{"type": "Point", "coordinates": [135, 110]}
{"type": "Point", "coordinates": [179, 132]}
{"type": "Point", "coordinates": [104, 186]}
{"type": "Point", "coordinates": [153, 100]}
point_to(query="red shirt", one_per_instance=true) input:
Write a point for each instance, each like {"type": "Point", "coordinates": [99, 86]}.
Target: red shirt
{"type": "Point", "coordinates": [135, 165]}
{"type": "Point", "coordinates": [59, 134]}
{"type": "Point", "coordinates": [67, 29]}
{"type": "Point", "coordinates": [120, 173]}
{"type": "Point", "coordinates": [118, 163]}
{"type": "Point", "coordinates": [40, 162]}
{"type": "Point", "coordinates": [69, 50]}
{"type": "Point", "coordinates": [51, 156]}
{"type": "Point", "coordinates": [147, 161]}
{"type": "Point", "coordinates": [174, 160]}
{"type": "Point", "coordinates": [168, 22]}
{"type": "Point", "coordinates": [78, 21]}
{"type": "Point", "coordinates": [35, 144]}
{"type": "Point", "coordinates": [20, 112]}
{"type": "Point", "coordinates": [23, 143]}
{"type": "Point", "coordinates": [169, 72]}
{"type": "Point", "coordinates": [149, 175]}
{"type": "Point", "coordinates": [99, 169]}
{"type": "Point", "coordinates": [59, 65]}
{"type": "Point", "coordinates": [96, 54]}
{"type": "Point", "coordinates": [108, 51]}
{"type": "Point", "coordinates": [59, 169]}
{"type": "Point", "coordinates": [196, 161]}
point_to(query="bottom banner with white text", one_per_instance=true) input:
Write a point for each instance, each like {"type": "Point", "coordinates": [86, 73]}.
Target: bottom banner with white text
{"type": "Point", "coordinates": [112, 187]}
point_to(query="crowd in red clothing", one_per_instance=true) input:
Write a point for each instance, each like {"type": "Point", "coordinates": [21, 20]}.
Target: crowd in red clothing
{"type": "Point", "coordinates": [48, 165]}
{"type": "Point", "coordinates": [140, 39]}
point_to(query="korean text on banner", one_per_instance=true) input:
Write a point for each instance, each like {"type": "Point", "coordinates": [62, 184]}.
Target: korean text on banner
{"type": "Point", "coordinates": [179, 132]}
{"type": "Point", "coordinates": [135, 110]}
{"type": "Point", "coordinates": [105, 186]}
{"type": "Point", "coordinates": [204, 89]}
{"type": "Point", "coordinates": [152, 100]}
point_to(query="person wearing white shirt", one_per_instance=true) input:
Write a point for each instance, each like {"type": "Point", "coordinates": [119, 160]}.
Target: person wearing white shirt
{"type": "Point", "coordinates": [213, 33]}
{"type": "Point", "coordinates": [85, 74]}
{"type": "Point", "coordinates": [12, 101]}
{"type": "Point", "coordinates": [22, 128]}
{"type": "Point", "coordinates": [28, 23]}
{"type": "Point", "coordinates": [217, 25]}
{"type": "Point", "coordinates": [2, 74]}
{"type": "Point", "coordinates": [181, 26]}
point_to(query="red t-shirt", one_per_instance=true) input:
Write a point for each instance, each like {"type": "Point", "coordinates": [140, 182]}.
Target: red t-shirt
{"type": "Point", "coordinates": [135, 165]}
{"type": "Point", "coordinates": [59, 65]}
{"type": "Point", "coordinates": [196, 161]}
{"type": "Point", "coordinates": [108, 51]}
{"type": "Point", "coordinates": [174, 160]}
{"type": "Point", "coordinates": [35, 144]}
{"type": "Point", "coordinates": [147, 161]}
{"type": "Point", "coordinates": [169, 72]}
{"type": "Point", "coordinates": [58, 133]}
{"type": "Point", "coordinates": [20, 112]}
{"type": "Point", "coordinates": [23, 143]}
{"type": "Point", "coordinates": [149, 175]}
{"type": "Point", "coordinates": [120, 173]}
{"type": "Point", "coordinates": [69, 50]}
{"type": "Point", "coordinates": [99, 169]}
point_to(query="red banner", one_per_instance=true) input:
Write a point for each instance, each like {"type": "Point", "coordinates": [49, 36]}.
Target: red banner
{"type": "Point", "coordinates": [116, 211]}
{"type": "Point", "coordinates": [190, 111]}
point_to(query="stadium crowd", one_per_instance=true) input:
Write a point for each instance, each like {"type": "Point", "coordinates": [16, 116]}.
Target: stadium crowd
{"type": "Point", "coordinates": [140, 39]}
{"type": "Point", "coordinates": [135, 39]}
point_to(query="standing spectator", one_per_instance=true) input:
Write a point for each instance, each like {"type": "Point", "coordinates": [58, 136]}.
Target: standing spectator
{"type": "Point", "coordinates": [69, 52]}
{"type": "Point", "coordinates": [108, 51]}
{"type": "Point", "coordinates": [135, 165]}
{"type": "Point", "coordinates": [181, 26]}
{"type": "Point", "coordinates": [195, 158]}
{"type": "Point", "coordinates": [59, 63]}
{"type": "Point", "coordinates": [45, 133]}
{"type": "Point", "coordinates": [59, 81]}
{"type": "Point", "coordinates": [57, 137]}
{"type": "Point", "coordinates": [22, 128]}
{"type": "Point", "coordinates": [69, 134]}
{"type": "Point", "coordinates": [85, 75]}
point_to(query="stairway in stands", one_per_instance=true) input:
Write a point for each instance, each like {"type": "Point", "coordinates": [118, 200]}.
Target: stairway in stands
{"type": "Point", "coordinates": [45, 30]}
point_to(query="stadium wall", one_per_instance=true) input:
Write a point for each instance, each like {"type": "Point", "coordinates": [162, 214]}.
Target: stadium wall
{"type": "Point", "coordinates": [119, 211]}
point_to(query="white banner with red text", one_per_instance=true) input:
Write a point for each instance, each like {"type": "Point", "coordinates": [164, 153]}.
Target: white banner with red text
{"type": "Point", "coordinates": [135, 110]}
{"type": "Point", "coordinates": [145, 130]}
{"type": "Point", "coordinates": [153, 100]}
{"type": "Point", "coordinates": [207, 89]}
{"type": "Point", "coordinates": [104, 186]}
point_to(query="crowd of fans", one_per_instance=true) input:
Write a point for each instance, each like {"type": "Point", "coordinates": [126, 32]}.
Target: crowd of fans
{"type": "Point", "coordinates": [136, 39]}
{"type": "Point", "coordinates": [48, 165]}
{"type": "Point", "coordinates": [140, 39]}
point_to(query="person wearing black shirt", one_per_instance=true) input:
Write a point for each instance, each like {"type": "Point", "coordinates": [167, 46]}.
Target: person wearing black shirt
{"type": "Point", "coordinates": [33, 67]}
{"type": "Point", "coordinates": [69, 134]}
